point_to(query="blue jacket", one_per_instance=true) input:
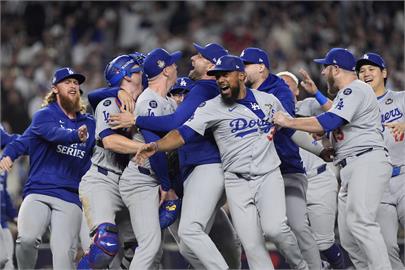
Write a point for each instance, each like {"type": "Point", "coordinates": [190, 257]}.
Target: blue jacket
{"type": "Point", "coordinates": [58, 159]}
{"type": "Point", "coordinates": [287, 150]}
{"type": "Point", "coordinates": [201, 151]}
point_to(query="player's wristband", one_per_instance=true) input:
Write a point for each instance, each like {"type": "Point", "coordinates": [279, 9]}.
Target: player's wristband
{"type": "Point", "coordinates": [320, 98]}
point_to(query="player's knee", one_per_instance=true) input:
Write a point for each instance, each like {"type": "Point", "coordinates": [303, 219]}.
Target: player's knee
{"type": "Point", "coordinates": [105, 246]}
{"type": "Point", "coordinates": [27, 241]}
{"type": "Point", "coordinates": [324, 241]}
{"type": "Point", "coordinates": [186, 231]}
{"type": "Point", "coordinates": [274, 232]}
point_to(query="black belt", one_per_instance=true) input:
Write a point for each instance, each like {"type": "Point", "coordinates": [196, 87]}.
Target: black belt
{"type": "Point", "coordinates": [343, 162]}
{"type": "Point", "coordinates": [105, 171]}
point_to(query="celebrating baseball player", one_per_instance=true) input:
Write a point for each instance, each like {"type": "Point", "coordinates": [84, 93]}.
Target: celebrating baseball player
{"type": "Point", "coordinates": [322, 189]}
{"type": "Point", "coordinates": [372, 70]}
{"type": "Point", "coordinates": [354, 128]}
{"type": "Point", "coordinates": [239, 121]}
{"type": "Point", "coordinates": [99, 191]}
{"type": "Point", "coordinates": [201, 169]}
{"type": "Point", "coordinates": [60, 142]}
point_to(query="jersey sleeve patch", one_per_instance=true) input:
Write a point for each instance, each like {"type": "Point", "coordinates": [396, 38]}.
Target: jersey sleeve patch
{"type": "Point", "coordinates": [347, 91]}
{"type": "Point", "coordinates": [202, 104]}
{"type": "Point", "coordinates": [153, 104]}
{"type": "Point", "coordinates": [389, 101]}
{"type": "Point", "coordinates": [107, 103]}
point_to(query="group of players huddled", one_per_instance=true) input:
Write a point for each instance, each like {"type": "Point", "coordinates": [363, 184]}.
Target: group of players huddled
{"type": "Point", "coordinates": [179, 153]}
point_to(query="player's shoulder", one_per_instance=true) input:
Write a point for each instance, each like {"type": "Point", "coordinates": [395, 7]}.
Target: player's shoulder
{"type": "Point", "coordinates": [396, 94]}
{"type": "Point", "coordinates": [107, 103]}
{"type": "Point", "coordinates": [44, 113]}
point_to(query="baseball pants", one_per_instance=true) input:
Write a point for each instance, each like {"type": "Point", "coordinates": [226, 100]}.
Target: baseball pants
{"type": "Point", "coordinates": [390, 212]}
{"type": "Point", "coordinates": [322, 207]}
{"type": "Point", "coordinates": [295, 196]}
{"type": "Point", "coordinates": [258, 207]}
{"type": "Point", "coordinates": [37, 212]}
{"type": "Point", "coordinates": [140, 193]}
{"type": "Point", "coordinates": [203, 190]}
{"type": "Point", "coordinates": [100, 197]}
{"type": "Point", "coordinates": [358, 201]}
{"type": "Point", "coordinates": [8, 243]}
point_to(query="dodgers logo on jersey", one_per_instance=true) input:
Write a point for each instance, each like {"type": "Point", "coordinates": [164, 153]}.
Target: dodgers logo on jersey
{"type": "Point", "coordinates": [243, 127]}
{"type": "Point", "coordinates": [391, 115]}
{"type": "Point", "coordinates": [340, 104]}
{"type": "Point", "coordinates": [254, 106]}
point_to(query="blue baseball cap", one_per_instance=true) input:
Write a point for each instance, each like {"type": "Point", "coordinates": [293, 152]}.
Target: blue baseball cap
{"type": "Point", "coordinates": [157, 59]}
{"type": "Point", "coordinates": [370, 59]}
{"type": "Point", "coordinates": [120, 67]}
{"type": "Point", "coordinates": [255, 56]}
{"type": "Point", "coordinates": [183, 84]}
{"type": "Point", "coordinates": [211, 51]}
{"type": "Point", "coordinates": [340, 57]}
{"type": "Point", "coordinates": [64, 73]}
{"type": "Point", "coordinates": [227, 63]}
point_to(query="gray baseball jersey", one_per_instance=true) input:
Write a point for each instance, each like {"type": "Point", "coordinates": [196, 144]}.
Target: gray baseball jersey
{"type": "Point", "coordinates": [150, 103]}
{"type": "Point", "coordinates": [140, 190]}
{"type": "Point", "coordinates": [102, 157]}
{"type": "Point", "coordinates": [308, 107]}
{"type": "Point", "coordinates": [392, 208]}
{"type": "Point", "coordinates": [240, 135]}
{"type": "Point", "coordinates": [392, 106]}
{"type": "Point", "coordinates": [357, 104]}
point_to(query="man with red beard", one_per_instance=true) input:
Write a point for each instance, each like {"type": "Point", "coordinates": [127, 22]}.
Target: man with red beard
{"type": "Point", "coordinates": [60, 140]}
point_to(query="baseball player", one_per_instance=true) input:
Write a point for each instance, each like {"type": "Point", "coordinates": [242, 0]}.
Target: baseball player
{"type": "Point", "coordinates": [239, 121]}
{"type": "Point", "coordinates": [201, 169]}
{"type": "Point", "coordinates": [372, 70]}
{"type": "Point", "coordinates": [60, 143]}
{"type": "Point", "coordinates": [7, 211]}
{"type": "Point", "coordinates": [180, 89]}
{"type": "Point", "coordinates": [139, 186]}
{"type": "Point", "coordinates": [99, 191]}
{"type": "Point", "coordinates": [322, 188]}
{"type": "Point", "coordinates": [259, 77]}
{"type": "Point", "coordinates": [355, 132]}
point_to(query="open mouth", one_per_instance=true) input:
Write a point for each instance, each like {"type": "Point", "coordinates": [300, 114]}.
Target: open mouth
{"type": "Point", "coordinates": [225, 89]}
{"type": "Point", "coordinates": [72, 92]}
{"type": "Point", "coordinates": [368, 80]}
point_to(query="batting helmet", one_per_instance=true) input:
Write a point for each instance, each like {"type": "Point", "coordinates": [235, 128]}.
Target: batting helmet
{"type": "Point", "coordinates": [120, 67]}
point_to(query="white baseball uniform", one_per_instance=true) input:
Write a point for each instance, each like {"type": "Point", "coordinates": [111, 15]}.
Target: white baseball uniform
{"type": "Point", "coordinates": [392, 207]}
{"type": "Point", "coordinates": [365, 171]}
{"type": "Point", "coordinates": [253, 182]}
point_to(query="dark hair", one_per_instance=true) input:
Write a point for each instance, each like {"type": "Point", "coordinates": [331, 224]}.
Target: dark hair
{"type": "Point", "coordinates": [373, 64]}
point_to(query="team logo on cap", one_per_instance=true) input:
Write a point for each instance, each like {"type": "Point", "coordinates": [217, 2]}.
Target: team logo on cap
{"type": "Point", "coordinates": [242, 54]}
{"type": "Point", "coordinates": [365, 56]}
{"type": "Point", "coordinates": [183, 82]}
{"type": "Point", "coordinates": [70, 71]}
{"type": "Point", "coordinates": [260, 60]}
{"type": "Point", "coordinates": [219, 62]}
{"type": "Point", "coordinates": [161, 63]}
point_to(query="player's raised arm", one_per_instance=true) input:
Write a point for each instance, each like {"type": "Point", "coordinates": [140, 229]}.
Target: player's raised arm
{"type": "Point", "coordinates": [310, 87]}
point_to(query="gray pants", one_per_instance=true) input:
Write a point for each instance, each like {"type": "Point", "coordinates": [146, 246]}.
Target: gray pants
{"type": "Point", "coordinates": [140, 193]}
{"type": "Point", "coordinates": [392, 210]}
{"type": "Point", "coordinates": [100, 197]}
{"type": "Point", "coordinates": [295, 196]}
{"type": "Point", "coordinates": [8, 242]}
{"type": "Point", "coordinates": [322, 207]}
{"type": "Point", "coordinates": [203, 189]}
{"type": "Point", "coordinates": [36, 213]}
{"type": "Point", "coordinates": [364, 180]}
{"type": "Point", "coordinates": [258, 208]}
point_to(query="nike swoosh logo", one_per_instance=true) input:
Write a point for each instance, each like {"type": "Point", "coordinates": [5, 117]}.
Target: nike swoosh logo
{"type": "Point", "coordinates": [60, 121]}
{"type": "Point", "coordinates": [110, 244]}
{"type": "Point", "coordinates": [231, 109]}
